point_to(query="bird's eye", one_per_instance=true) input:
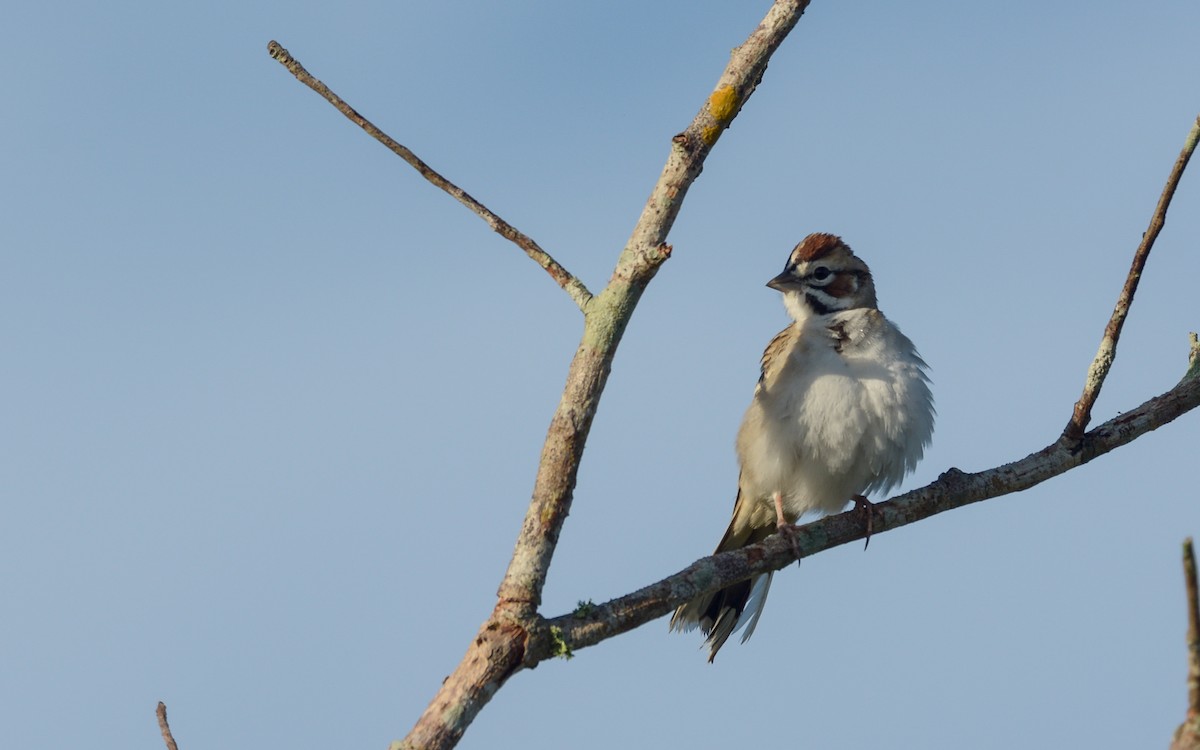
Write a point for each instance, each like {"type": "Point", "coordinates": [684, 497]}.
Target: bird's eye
{"type": "Point", "coordinates": [820, 273]}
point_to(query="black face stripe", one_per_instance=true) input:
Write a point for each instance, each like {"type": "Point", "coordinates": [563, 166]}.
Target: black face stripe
{"type": "Point", "coordinates": [811, 275]}
{"type": "Point", "coordinates": [860, 275]}
{"type": "Point", "coordinates": [819, 307]}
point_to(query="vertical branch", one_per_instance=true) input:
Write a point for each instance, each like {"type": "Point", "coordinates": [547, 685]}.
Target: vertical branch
{"type": "Point", "coordinates": [1187, 737]}
{"type": "Point", "coordinates": [164, 727]}
{"type": "Point", "coordinates": [1193, 632]}
{"type": "Point", "coordinates": [1100, 366]}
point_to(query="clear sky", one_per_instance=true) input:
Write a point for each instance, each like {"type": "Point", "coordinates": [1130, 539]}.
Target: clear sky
{"type": "Point", "coordinates": [272, 404]}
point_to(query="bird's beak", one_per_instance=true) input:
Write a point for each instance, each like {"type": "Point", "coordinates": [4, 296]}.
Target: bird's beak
{"type": "Point", "coordinates": [784, 282]}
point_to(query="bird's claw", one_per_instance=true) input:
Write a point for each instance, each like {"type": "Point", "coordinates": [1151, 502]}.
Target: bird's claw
{"type": "Point", "coordinates": [863, 505]}
{"type": "Point", "coordinates": [789, 531]}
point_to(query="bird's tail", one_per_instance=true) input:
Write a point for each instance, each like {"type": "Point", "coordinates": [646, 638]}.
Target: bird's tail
{"type": "Point", "coordinates": [719, 614]}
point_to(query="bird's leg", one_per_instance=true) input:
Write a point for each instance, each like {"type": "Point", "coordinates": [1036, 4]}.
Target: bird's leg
{"type": "Point", "coordinates": [785, 528]}
{"type": "Point", "coordinates": [863, 505]}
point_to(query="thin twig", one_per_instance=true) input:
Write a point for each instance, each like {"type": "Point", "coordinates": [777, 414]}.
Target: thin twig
{"type": "Point", "coordinates": [573, 286]}
{"type": "Point", "coordinates": [164, 727]}
{"type": "Point", "coordinates": [1193, 632]}
{"type": "Point", "coordinates": [1187, 736]}
{"type": "Point", "coordinates": [1100, 366]}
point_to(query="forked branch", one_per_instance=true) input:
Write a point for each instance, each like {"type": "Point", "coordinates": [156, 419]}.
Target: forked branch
{"type": "Point", "coordinates": [953, 489]}
{"type": "Point", "coordinates": [506, 642]}
{"type": "Point", "coordinates": [1098, 371]}
{"type": "Point", "coordinates": [644, 253]}
{"type": "Point", "coordinates": [516, 636]}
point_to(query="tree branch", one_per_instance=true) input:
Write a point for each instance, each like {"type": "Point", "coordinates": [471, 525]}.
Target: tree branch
{"type": "Point", "coordinates": [501, 647]}
{"type": "Point", "coordinates": [516, 636]}
{"type": "Point", "coordinates": [1193, 633]}
{"type": "Point", "coordinates": [643, 254]}
{"type": "Point", "coordinates": [953, 489]}
{"type": "Point", "coordinates": [573, 286]}
{"type": "Point", "coordinates": [1193, 357]}
{"type": "Point", "coordinates": [164, 727]}
{"type": "Point", "coordinates": [1187, 737]}
{"type": "Point", "coordinates": [1100, 366]}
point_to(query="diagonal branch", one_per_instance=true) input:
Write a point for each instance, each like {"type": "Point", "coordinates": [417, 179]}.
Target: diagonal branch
{"type": "Point", "coordinates": [503, 643]}
{"type": "Point", "coordinates": [637, 264]}
{"type": "Point", "coordinates": [954, 489]}
{"type": "Point", "coordinates": [1100, 366]}
{"type": "Point", "coordinates": [573, 286]}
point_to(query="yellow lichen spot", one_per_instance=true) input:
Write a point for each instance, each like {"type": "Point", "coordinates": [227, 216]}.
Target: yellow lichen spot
{"type": "Point", "coordinates": [723, 103]}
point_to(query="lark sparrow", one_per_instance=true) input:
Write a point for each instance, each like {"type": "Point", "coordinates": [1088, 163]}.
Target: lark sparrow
{"type": "Point", "coordinates": [842, 408]}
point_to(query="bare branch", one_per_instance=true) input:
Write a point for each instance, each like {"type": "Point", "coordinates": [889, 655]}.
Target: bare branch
{"type": "Point", "coordinates": [1187, 737]}
{"type": "Point", "coordinates": [953, 489]}
{"type": "Point", "coordinates": [1193, 633]}
{"type": "Point", "coordinates": [164, 727]}
{"type": "Point", "coordinates": [501, 647]}
{"type": "Point", "coordinates": [741, 76]}
{"type": "Point", "coordinates": [606, 320]}
{"type": "Point", "coordinates": [573, 286]}
{"type": "Point", "coordinates": [515, 636]}
{"type": "Point", "coordinates": [1100, 366]}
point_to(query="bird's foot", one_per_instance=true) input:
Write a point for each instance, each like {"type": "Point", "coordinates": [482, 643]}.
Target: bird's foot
{"type": "Point", "coordinates": [789, 531]}
{"type": "Point", "coordinates": [785, 528]}
{"type": "Point", "coordinates": [863, 505]}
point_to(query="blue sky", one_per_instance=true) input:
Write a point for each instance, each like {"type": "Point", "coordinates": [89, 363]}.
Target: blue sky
{"type": "Point", "coordinates": [273, 404]}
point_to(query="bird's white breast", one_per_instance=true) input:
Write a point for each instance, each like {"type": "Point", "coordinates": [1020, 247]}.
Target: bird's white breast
{"type": "Point", "coordinates": [848, 412]}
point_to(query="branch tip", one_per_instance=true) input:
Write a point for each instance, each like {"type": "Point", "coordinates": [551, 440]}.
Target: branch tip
{"type": "Point", "coordinates": [1193, 631]}
{"type": "Point", "coordinates": [164, 727]}
{"type": "Point", "coordinates": [1193, 356]}
{"type": "Point", "coordinates": [1187, 736]}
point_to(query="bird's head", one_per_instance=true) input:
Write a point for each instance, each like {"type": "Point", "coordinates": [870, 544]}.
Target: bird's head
{"type": "Point", "coordinates": [824, 276]}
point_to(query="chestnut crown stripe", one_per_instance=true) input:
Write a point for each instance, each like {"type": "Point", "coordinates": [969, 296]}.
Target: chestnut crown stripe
{"type": "Point", "coordinates": [815, 246]}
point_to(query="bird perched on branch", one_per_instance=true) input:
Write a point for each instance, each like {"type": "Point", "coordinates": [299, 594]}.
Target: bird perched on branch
{"type": "Point", "coordinates": [842, 409]}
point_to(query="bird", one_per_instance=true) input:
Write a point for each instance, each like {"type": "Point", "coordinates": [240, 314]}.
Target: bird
{"type": "Point", "coordinates": [842, 409]}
